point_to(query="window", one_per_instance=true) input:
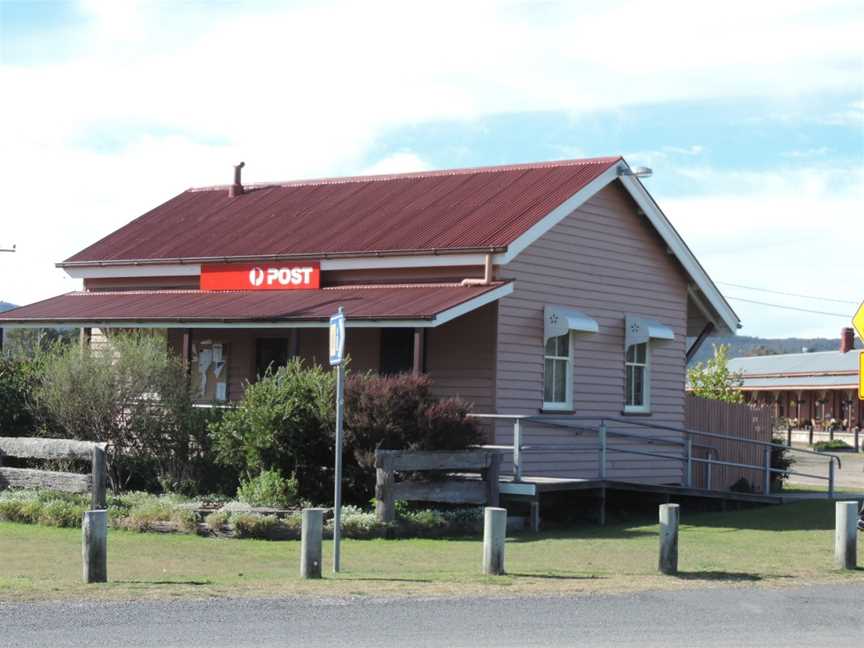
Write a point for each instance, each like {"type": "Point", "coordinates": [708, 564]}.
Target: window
{"type": "Point", "coordinates": [270, 353]}
{"type": "Point", "coordinates": [397, 350]}
{"type": "Point", "coordinates": [636, 397]}
{"type": "Point", "coordinates": [558, 374]}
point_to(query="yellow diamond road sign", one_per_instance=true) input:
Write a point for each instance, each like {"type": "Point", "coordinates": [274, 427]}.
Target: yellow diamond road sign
{"type": "Point", "coordinates": [858, 323]}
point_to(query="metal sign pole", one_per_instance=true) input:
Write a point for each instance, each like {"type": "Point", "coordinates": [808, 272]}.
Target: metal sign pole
{"type": "Point", "coordinates": [337, 494]}
{"type": "Point", "coordinates": [337, 358]}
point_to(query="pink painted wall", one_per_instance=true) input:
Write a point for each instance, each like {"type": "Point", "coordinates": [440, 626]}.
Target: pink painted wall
{"type": "Point", "coordinates": [606, 261]}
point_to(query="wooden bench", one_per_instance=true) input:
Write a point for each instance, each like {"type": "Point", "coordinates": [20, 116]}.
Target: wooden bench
{"type": "Point", "coordinates": [452, 491]}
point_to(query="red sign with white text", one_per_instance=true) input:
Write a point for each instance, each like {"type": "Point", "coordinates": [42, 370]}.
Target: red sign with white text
{"type": "Point", "coordinates": [305, 275]}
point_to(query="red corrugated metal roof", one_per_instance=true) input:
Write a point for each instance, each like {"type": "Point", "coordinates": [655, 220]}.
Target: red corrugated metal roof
{"type": "Point", "coordinates": [454, 210]}
{"type": "Point", "coordinates": [391, 302]}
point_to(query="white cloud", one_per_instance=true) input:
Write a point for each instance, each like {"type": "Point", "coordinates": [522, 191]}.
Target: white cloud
{"type": "Point", "coordinates": [304, 90]}
{"type": "Point", "coordinates": [797, 231]}
{"type": "Point", "coordinates": [818, 152]}
{"type": "Point", "coordinates": [668, 156]}
{"type": "Point", "coordinates": [402, 162]}
{"type": "Point", "coordinates": [852, 115]}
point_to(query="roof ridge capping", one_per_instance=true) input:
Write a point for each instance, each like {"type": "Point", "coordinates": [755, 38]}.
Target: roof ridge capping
{"type": "Point", "coordinates": [432, 173]}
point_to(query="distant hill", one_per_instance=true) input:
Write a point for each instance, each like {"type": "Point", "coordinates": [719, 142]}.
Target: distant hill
{"type": "Point", "coordinates": [742, 345]}
{"type": "Point", "coordinates": [4, 306]}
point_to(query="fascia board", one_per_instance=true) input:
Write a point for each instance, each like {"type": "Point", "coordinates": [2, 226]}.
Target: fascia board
{"type": "Point", "coordinates": [358, 263]}
{"type": "Point", "coordinates": [676, 244]}
{"type": "Point", "coordinates": [119, 272]}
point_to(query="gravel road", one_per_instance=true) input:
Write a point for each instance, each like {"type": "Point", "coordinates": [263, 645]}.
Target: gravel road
{"type": "Point", "coordinates": [811, 616]}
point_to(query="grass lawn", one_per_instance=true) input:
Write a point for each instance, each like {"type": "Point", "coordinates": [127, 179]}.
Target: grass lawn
{"type": "Point", "coordinates": [790, 544]}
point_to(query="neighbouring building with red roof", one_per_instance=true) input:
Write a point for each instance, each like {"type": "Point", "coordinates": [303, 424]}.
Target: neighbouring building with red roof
{"type": "Point", "coordinates": [536, 288]}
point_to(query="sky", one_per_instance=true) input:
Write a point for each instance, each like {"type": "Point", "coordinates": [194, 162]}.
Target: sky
{"type": "Point", "coordinates": [751, 115]}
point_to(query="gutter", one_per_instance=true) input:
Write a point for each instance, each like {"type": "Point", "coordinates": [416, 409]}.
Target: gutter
{"type": "Point", "coordinates": [285, 257]}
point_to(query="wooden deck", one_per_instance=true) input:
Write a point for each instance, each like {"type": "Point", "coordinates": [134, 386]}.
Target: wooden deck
{"type": "Point", "coordinates": [535, 486]}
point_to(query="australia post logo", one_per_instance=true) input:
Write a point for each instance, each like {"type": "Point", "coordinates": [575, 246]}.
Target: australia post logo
{"type": "Point", "coordinates": [304, 275]}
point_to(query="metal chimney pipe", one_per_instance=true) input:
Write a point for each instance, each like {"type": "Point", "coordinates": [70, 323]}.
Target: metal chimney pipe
{"type": "Point", "coordinates": [236, 189]}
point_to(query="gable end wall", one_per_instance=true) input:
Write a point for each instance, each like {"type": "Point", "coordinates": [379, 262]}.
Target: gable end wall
{"type": "Point", "coordinates": [606, 261]}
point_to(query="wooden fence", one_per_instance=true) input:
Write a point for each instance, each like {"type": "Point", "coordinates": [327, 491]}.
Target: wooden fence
{"type": "Point", "coordinates": [455, 491]}
{"type": "Point", "coordinates": [94, 525]}
{"type": "Point", "coordinates": [36, 448]}
{"type": "Point", "coordinates": [738, 420]}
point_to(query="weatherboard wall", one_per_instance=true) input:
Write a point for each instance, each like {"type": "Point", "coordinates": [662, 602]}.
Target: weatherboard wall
{"type": "Point", "coordinates": [606, 261]}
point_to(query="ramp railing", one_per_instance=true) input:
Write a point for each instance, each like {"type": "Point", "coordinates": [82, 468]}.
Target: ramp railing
{"type": "Point", "coordinates": [619, 436]}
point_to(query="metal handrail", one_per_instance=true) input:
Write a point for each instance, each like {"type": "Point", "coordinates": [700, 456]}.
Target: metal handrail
{"type": "Point", "coordinates": [670, 428]}
{"type": "Point", "coordinates": [603, 433]}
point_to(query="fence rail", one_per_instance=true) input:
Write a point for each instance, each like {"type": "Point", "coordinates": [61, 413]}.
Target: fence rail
{"type": "Point", "coordinates": [38, 448]}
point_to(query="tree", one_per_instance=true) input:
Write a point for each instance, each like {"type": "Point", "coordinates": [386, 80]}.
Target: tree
{"type": "Point", "coordinates": [761, 350]}
{"type": "Point", "coordinates": [133, 395]}
{"type": "Point", "coordinates": [713, 380]}
{"type": "Point", "coordinates": [30, 343]}
{"type": "Point", "coordinates": [16, 382]}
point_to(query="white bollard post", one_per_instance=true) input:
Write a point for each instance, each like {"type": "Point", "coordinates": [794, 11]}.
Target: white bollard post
{"type": "Point", "coordinates": [846, 535]}
{"type": "Point", "coordinates": [669, 514]}
{"type": "Point", "coordinates": [494, 533]}
{"type": "Point", "coordinates": [94, 546]}
{"type": "Point", "coordinates": [310, 543]}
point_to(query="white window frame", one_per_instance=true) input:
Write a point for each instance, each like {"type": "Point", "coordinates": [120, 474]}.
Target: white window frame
{"type": "Point", "coordinates": [645, 407]}
{"type": "Point", "coordinates": [567, 404]}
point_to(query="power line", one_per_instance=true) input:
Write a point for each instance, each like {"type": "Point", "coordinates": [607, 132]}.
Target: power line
{"type": "Point", "coordinates": [788, 294]}
{"type": "Point", "coordinates": [792, 308]}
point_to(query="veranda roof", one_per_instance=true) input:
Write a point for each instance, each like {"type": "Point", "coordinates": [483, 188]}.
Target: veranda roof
{"type": "Point", "coordinates": [423, 305]}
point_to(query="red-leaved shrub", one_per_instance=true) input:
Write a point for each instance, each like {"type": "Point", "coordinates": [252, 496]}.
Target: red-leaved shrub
{"type": "Point", "coordinates": [401, 413]}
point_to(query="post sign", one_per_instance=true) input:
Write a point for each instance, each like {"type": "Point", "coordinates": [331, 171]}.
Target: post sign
{"type": "Point", "coordinates": [858, 323]}
{"type": "Point", "coordinates": [337, 338]}
{"type": "Point", "coordinates": [304, 275]}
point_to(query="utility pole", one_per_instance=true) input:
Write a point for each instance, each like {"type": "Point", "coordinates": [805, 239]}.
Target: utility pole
{"type": "Point", "coordinates": [2, 249]}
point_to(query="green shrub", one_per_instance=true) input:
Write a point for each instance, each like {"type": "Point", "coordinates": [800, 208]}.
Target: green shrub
{"type": "Point", "coordinates": [436, 523]}
{"type": "Point", "coordinates": [17, 379]}
{"type": "Point", "coordinates": [142, 511]}
{"type": "Point", "coordinates": [284, 423]}
{"type": "Point", "coordinates": [49, 508]}
{"type": "Point", "coordinates": [251, 525]}
{"type": "Point", "coordinates": [17, 510]}
{"type": "Point", "coordinates": [268, 489]}
{"type": "Point", "coordinates": [742, 486]}
{"type": "Point", "coordinates": [60, 513]}
{"type": "Point", "coordinates": [216, 520]}
{"type": "Point", "coordinates": [781, 460]}
{"type": "Point", "coordinates": [293, 523]}
{"type": "Point", "coordinates": [357, 523]}
{"type": "Point", "coordinates": [836, 444]}
{"type": "Point", "coordinates": [426, 519]}
{"type": "Point", "coordinates": [186, 520]}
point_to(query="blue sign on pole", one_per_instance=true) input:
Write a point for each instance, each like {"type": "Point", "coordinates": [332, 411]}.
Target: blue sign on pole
{"type": "Point", "coordinates": [337, 338]}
